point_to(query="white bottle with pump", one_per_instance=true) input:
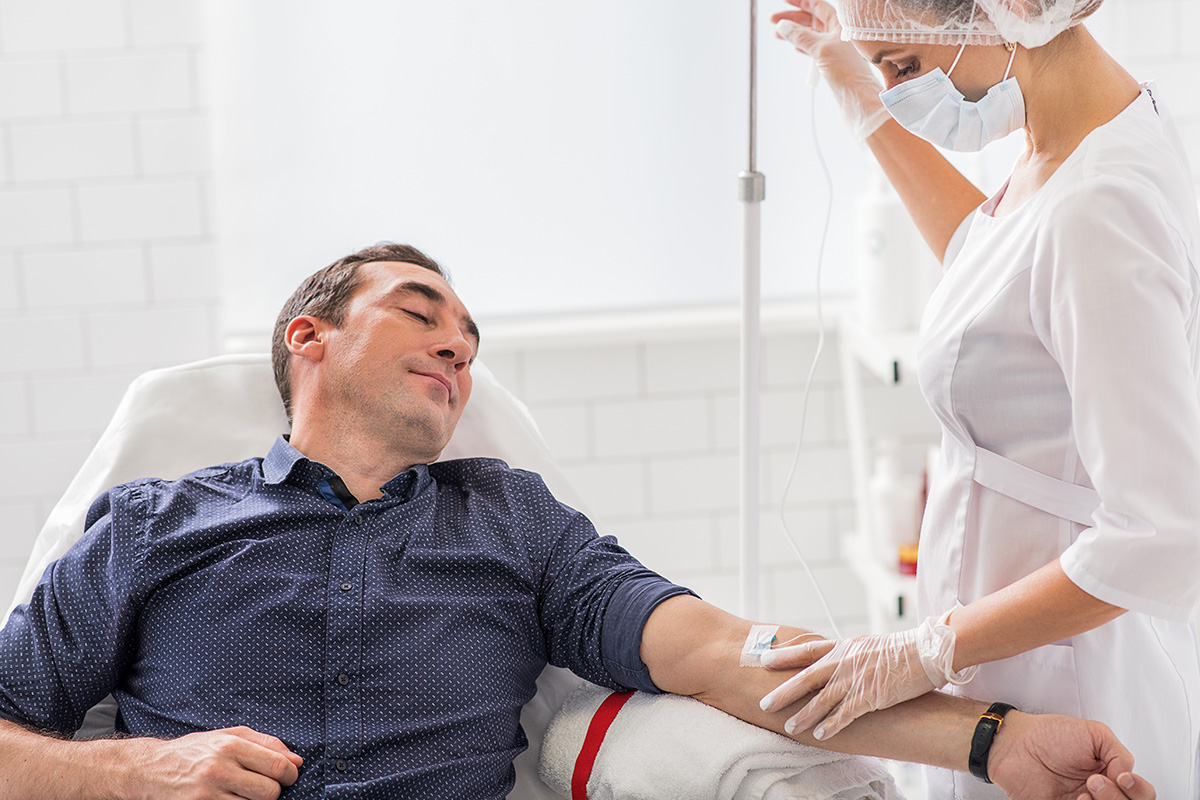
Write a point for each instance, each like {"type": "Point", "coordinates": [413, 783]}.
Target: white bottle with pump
{"type": "Point", "coordinates": [894, 271]}
{"type": "Point", "coordinates": [896, 503]}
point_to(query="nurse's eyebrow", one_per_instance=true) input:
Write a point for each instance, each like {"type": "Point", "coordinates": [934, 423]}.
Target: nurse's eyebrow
{"type": "Point", "coordinates": [433, 295]}
{"type": "Point", "coordinates": [882, 54]}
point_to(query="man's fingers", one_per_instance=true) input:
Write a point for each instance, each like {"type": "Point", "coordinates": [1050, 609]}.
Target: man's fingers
{"type": "Point", "coordinates": [267, 763]}
{"type": "Point", "coordinates": [1127, 787]}
{"type": "Point", "coordinates": [256, 787]}
{"type": "Point", "coordinates": [796, 656]}
{"type": "Point", "coordinates": [1135, 787]}
{"type": "Point", "coordinates": [265, 756]}
{"type": "Point", "coordinates": [1118, 775]}
{"type": "Point", "coordinates": [267, 741]}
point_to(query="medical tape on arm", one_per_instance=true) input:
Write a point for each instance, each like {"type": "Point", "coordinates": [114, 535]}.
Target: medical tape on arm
{"type": "Point", "coordinates": [758, 642]}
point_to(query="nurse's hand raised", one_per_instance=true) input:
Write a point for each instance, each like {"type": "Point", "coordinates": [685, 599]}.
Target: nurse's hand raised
{"type": "Point", "coordinates": [866, 673]}
{"type": "Point", "coordinates": [813, 29]}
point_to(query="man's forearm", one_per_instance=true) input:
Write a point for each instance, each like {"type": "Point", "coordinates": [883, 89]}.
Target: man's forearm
{"type": "Point", "coordinates": [693, 648]}
{"type": "Point", "coordinates": [34, 765]}
{"type": "Point", "coordinates": [231, 762]}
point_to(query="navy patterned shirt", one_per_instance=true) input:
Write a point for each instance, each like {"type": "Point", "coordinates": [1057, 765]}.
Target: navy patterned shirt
{"type": "Point", "coordinates": [391, 643]}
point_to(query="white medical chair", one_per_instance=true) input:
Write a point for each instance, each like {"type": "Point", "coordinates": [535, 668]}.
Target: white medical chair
{"type": "Point", "coordinates": [173, 421]}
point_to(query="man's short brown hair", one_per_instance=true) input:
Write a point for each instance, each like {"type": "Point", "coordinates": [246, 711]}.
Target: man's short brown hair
{"type": "Point", "coordinates": [325, 295]}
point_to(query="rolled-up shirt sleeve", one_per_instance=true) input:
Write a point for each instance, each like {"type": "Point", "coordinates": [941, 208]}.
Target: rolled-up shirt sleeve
{"type": "Point", "coordinates": [61, 652]}
{"type": "Point", "coordinates": [1115, 302]}
{"type": "Point", "coordinates": [595, 596]}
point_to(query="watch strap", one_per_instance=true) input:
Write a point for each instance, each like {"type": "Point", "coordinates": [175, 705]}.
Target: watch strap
{"type": "Point", "coordinates": [981, 740]}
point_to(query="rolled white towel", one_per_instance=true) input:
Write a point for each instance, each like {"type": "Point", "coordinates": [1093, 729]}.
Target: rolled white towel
{"type": "Point", "coordinates": [667, 746]}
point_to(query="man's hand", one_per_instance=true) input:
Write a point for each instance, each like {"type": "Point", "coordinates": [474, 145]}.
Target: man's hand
{"type": "Point", "coordinates": [235, 762]}
{"type": "Point", "coordinates": [1051, 757]}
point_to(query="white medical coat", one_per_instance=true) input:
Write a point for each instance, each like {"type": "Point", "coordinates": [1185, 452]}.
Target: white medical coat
{"type": "Point", "coordinates": [1060, 353]}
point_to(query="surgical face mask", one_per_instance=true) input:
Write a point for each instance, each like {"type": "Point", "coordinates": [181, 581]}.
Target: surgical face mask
{"type": "Point", "coordinates": [932, 108]}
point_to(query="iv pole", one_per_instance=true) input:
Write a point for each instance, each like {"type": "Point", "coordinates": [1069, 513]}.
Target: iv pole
{"type": "Point", "coordinates": [751, 193]}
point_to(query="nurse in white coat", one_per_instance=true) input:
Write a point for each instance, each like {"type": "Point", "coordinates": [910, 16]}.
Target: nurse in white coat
{"type": "Point", "coordinates": [1060, 551]}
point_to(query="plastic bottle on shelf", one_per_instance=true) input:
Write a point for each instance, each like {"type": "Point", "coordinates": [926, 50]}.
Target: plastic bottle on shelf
{"type": "Point", "coordinates": [896, 504]}
{"type": "Point", "coordinates": [887, 271]}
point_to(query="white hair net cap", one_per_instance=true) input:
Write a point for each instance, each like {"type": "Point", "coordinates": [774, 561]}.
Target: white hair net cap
{"type": "Point", "coordinates": [1029, 23]}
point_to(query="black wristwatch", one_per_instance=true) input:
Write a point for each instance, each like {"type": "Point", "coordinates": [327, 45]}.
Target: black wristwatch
{"type": "Point", "coordinates": [981, 741]}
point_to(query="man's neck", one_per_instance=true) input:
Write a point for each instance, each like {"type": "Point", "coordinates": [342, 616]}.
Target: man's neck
{"type": "Point", "coordinates": [363, 462]}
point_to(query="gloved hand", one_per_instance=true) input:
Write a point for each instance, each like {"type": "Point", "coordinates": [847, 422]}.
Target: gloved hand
{"type": "Point", "coordinates": [863, 674]}
{"type": "Point", "coordinates": [815, 31]}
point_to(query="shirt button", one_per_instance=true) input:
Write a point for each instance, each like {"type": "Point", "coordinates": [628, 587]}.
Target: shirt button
{"type": "Point", "coordinates": [358, 520]}
{"type": "Point", "coordinates": [343, 679]}
{"type": "Point", "coordinates": [346, 587]}
{"type": "Point", "coordinates": [342, 765]}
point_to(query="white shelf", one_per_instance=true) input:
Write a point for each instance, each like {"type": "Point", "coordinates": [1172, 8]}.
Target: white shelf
{"type": "Point", "coordinates": [891, 357]}
{"type": "Point", "coordinates": [893, 595]}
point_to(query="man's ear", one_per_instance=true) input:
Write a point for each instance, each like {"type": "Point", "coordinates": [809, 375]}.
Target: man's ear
{"type": "Point", "coordinates": [305, 337]}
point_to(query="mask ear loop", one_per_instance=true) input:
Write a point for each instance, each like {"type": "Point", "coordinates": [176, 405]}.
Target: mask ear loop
{"type": "Point", "coordinates": [1012, 48]}
{"type": "Point", "coordinates": [961, 50]}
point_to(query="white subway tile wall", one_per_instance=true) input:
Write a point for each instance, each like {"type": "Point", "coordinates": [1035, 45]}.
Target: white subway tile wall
{"type": "Point", "coordinates": [106, 260]}
{"type": "Point", "coordinates": [40, 26]}
{"type": "Point", "coordinates": [14, 408]}
{"type": "Point", "coordinates": [30, 88]}
{"type": "Point", "coordinates": [107, 269]}
{"type": "Point", "coordinates": [81, 277]}
{"type": "Point", "coordinates": [653, 451]}
{"type": "Point", "coordinates": [73, 150]}
{"type": "Point", "coordinates": [9, 286]}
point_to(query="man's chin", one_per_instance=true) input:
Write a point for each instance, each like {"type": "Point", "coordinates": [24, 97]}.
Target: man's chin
{"type": "Point", "coordinates": [426, 436]}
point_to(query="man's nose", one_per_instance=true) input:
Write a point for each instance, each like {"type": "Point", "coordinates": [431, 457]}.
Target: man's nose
{"type": "Point", "coordinates": [455, 348]}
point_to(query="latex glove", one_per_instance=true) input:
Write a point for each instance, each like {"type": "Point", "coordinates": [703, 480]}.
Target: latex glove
{"type": "Point", "coordinates": [815, 31]}
{"type": "Point", "coordinates": [863, 674]}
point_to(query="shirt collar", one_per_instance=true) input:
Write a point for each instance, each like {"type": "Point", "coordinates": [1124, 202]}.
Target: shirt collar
{"type": "Point", "coordinates": [285, 464]}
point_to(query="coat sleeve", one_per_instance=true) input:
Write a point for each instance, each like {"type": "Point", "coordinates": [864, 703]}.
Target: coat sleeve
{"type": "Point", "coordinates": [1115, 302]}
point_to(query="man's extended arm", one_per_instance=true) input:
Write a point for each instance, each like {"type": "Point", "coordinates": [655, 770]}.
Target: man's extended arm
{"type": "Point", "coordinates": [693, 648]}
{"type": "Point", "coordinates": [236, 762]}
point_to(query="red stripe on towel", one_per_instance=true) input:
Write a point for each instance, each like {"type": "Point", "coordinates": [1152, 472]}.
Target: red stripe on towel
{"type": "Point", "coordinates": [597, 728]}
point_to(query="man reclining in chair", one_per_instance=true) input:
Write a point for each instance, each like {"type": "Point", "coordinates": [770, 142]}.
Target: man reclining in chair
{"type": "Point", "coordinates": [346, 619]}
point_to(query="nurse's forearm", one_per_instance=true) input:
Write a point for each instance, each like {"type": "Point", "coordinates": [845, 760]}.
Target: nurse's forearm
{"type": "Point", "coordinates": [936, 194]}
{"type": "Point", "coordinates": [1041, 608]}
